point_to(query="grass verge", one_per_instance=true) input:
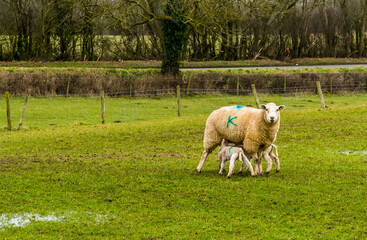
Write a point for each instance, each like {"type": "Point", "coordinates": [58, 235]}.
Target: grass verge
{"type": "Point", "coordinates": [137, 180]}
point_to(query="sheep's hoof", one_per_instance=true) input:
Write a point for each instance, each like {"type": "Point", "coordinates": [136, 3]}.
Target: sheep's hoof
{"type": "Point", "coordinates": [228, 177]}
{"type": "Point", "coordinates": [277, 171]}
{"type": "Point", "coordinates": [267, 173]}
{"type": "Point", "coordinates": [199, 171]}
{"type": "Point", "coordinates": [220, 173]}
{"type": "Point", "coordinates": [240, 172]}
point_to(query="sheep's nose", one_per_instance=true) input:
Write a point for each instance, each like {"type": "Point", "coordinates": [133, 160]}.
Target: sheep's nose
{"type": "Point", "coordinates": [271, 118]}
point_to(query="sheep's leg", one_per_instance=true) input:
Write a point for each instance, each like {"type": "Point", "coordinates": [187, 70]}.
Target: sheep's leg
{"type": "Point", "coordinates": [257, 163]}
{"type": "Point", "coordinates": [231, 165]}
{"type": "Point", "coordinates": [268, 161]}
{"type": "Point", "coordinates": [202, 160]}
{"type": "Point", "coordinates": [211, 141]}
{"type": "Point", "coordinates": [222, 164]}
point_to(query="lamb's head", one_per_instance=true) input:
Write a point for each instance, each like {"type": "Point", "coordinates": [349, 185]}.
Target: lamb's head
{"type": "Point", "coordinates": [271, 112]}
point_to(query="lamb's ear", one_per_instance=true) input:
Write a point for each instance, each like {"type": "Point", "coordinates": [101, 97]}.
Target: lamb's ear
{"type": "Point", "coordinates": [223, 142]}
{"type": "Point", "coordinates": [281, 107]}
{"type": "Point", "coordinates": [262, 106]}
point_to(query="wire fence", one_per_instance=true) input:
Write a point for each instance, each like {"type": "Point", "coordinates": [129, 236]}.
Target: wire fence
{"type": "Point", "coordinates": [119, 107]}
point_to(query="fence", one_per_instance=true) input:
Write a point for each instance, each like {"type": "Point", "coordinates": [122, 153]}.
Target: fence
{"type": "Point", "coordinates": [124, 84]}
{"type": "Point", "coordinates": [94, 109]}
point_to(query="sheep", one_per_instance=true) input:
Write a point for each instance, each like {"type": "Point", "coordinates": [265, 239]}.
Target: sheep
{"type": "Point", "coordinates": [255, 128]}
{"type": "Point", "coordinates": [232, 153]}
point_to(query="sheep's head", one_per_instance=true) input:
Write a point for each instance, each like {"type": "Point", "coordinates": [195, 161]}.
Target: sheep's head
{"type": "Point", "coordinates": [272, 112]}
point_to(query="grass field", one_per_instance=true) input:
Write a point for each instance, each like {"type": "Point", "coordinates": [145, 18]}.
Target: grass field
{"type": "Point", "coordinates": [137, 179]}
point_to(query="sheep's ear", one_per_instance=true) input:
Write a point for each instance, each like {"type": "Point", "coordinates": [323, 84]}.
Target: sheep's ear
{"type": "Point", "coordinates": [281, 107]}
{"type": "Point", "coordinates": [262, 106]}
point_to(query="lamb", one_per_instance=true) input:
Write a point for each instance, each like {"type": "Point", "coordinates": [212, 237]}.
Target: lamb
{"type": "Point", "coordinates": [269, 156]}
{"type": "Point", "coordinates": [232, 153]}
{"type": "Point", "coordinates": [255, 128]}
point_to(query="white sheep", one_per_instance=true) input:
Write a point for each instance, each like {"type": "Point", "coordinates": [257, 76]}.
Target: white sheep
{"type": "Point", "coordinates": [232, 153]}
{"type": "Point", "coordinates": [255, 128]}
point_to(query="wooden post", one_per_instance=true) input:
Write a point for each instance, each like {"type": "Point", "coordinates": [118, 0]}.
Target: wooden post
{"type": "Point", "coordinates": [331, 85]}
{"type": "Point", "coordinates": [68, 86]}
{"type": "Point", "coordinates": [102, 107]}
{"type": "Point", "coordinates": [178, 101]}
{"type": "Point", "coordinates": [7, 99]}
{"type": "Point", "coordinates": [238, 86]}
{"type": "Point", "coordinates": [23, 113]}
{"type": "Point", "coordinates": [188, 85]}
{"type": "Point", "coordinates": [285, 85]}
{"type": "Point", "coordinates": [320, 94]}
{"type": "Point", "coordinates": [255, 95]}
{"type": "Point", "coordinates": [131, 87]}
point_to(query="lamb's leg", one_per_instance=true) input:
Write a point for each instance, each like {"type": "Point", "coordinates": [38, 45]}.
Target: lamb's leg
{"type": "Point", "coordinates": [240, 157]}
{"type": "Point", "coordinates": [231, 165]}
{"type": "Point", "coordinates": [248, 164]}
{"type": "Point", "coordinates": [222, 164]}
{"type": "Point", "coordinates": [257, 163]}
{"type": "Point", "coordinates": [242, 166]}
{"type": "Point", "coordinates": [268, 161]}
{"type": "Point", "coordinates": [275, 158]}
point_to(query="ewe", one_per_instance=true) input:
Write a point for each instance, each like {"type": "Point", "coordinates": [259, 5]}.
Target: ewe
{"type": "Point", "coordinates": [255, 128]}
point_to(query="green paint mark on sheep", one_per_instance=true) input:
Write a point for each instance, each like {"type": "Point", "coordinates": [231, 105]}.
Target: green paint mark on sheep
{"type": "Point", "coordinates": [229, 149]}
{"type": "Point", "coordinates": [230, 121]}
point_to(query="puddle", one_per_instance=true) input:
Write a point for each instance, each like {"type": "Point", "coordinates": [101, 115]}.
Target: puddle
{"type": "Point", "coordinates": [22, 220]}
{"type": "Point", "coordinates": [359, 153]}
{"type": "Point", "coordinates": [25, 219]}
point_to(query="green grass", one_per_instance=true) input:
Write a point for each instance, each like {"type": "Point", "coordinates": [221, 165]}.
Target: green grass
{"type": "Point", "coordinates": [137, 180]}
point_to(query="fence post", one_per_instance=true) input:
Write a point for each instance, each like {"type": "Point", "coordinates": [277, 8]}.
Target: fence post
{"type": "Point", "coordinates": [102, 106]}
{"type": "Point", "coordinates": [255, 95]}
{"type": "Point", "coordinates": [23, 113]}
{"type": "Point", "coordinates": [238, 86]}
{"type": "Point", "coordinates": [68, 86]}
{"type": "Point", "coordinates": [285, 85]}
{"type": "Point", "coordinates": [188, 85]}
{"type": "Point", "coordinates": [331, 85]}
{"type": "Point", "coordinates": [7, 99]}
{"type": "Point", "coordinates": [178, 101]}
{"type": "Point", "coordinates": [320, 94]}
{"type": "Point", "coordinates": [131, 87]}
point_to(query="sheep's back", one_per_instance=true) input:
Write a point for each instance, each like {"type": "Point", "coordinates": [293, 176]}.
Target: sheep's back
{"type": "Point", "coordinates": [232, 122]}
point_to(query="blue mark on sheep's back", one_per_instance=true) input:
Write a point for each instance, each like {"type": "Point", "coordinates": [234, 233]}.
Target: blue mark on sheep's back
{"type": "Point", "coordinates": [230, 120]}
{"type": "Point", "coordinates": [238, 107]}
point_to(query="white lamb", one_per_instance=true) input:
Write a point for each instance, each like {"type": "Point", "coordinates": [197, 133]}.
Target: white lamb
{"type": "Point", "coordinates": [232, 153]}
{"type": "Point", "coordinates": [255, 128]}
{"type": "Point", "coordinates": [269, 157]}
{"type": "Point", "coordinates": [267, 154]}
